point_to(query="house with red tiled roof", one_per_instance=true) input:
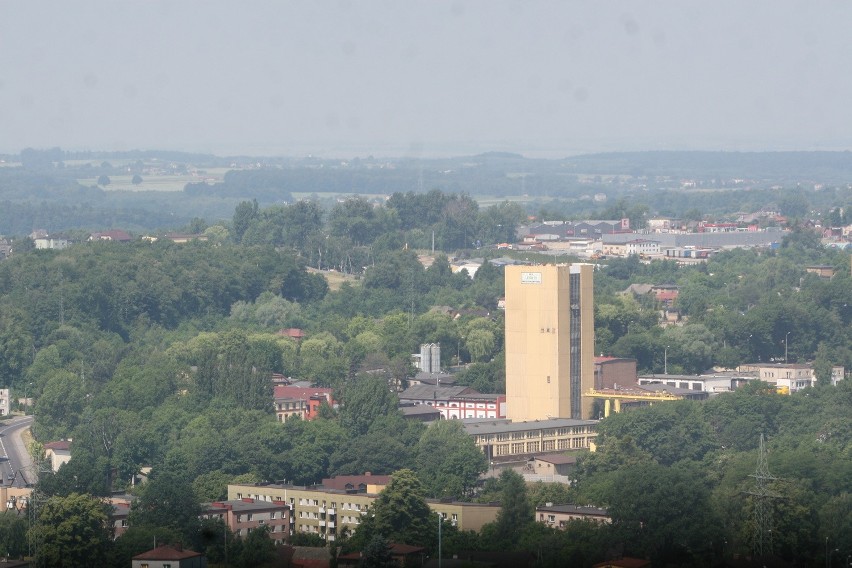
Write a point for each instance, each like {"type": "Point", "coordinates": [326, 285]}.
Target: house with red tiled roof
{"type": "Point", "coordinates": [292, 333]}
{"type": "Point", "coordinates": [303, 402]}
{"type": "Point", "coordinates": [169, 557]}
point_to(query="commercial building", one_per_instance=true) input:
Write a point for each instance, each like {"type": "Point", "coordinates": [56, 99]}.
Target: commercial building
{"type": "Point", "coordinates": [550, 338]}
{"type": "Point", "coordinates": [500, 439]}
{"type": "Point", "coordinates": [456, 402]}
{"type": "Point", "coordinates": [790, 377]}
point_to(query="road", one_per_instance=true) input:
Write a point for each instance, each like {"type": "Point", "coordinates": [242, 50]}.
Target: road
{"type": "Point", "coordinates": [14, 454]}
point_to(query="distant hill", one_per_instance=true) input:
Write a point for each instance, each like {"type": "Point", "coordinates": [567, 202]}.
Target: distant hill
{"type": "Point", "coordinates": [817, 166]}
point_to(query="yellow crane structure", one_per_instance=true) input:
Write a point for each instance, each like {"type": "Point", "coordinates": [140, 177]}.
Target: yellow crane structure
{"type": "Point", "coordinates": [612, 397]}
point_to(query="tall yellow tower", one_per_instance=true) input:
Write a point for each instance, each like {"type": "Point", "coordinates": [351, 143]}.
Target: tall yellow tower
{"type": "Point", "coordinates": [550, 334]}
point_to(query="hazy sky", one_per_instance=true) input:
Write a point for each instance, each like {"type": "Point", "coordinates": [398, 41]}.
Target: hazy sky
{"type": "Point", "coordinates": [425, 78]}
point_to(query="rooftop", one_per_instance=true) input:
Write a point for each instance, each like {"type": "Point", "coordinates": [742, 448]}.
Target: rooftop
{"type": "Point", "coordinates": [166, 553]}
{"type": "Point", "coordinates": [576, 509]}
{"type": "Point", "coordinates": [500, 426]}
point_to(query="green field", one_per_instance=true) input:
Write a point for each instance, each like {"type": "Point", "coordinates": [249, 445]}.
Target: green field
{"type": "Point", "coordinates": [174, 182]}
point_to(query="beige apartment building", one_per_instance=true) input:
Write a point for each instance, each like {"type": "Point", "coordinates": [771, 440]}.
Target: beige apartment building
{"type": "Point", "coordinates": [328, 511]}
{"type": "Point", "coordinates": [550, 341]}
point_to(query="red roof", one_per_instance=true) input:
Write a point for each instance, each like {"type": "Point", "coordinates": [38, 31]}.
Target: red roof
{"type": "Point", "coordinates": [287, 391]}
{"type": "Point", "coordinates": [60, 445]}
{"type": "Point", "coordinates": [166, 553]}
{"type": "Point", "coordinates": [293, 332]}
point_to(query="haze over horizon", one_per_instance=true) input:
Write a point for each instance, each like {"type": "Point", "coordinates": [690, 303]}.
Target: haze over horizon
{"type": "Point", "coordinates": [424, 79]}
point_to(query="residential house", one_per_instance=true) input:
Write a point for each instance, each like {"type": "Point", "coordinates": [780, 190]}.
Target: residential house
{"type": "Point", "coordinates": [5, 249]}
{"type": "Point", "coordinates": [169, 557]}
{"type": "Point", "coordinates": [51, 243]}
{"type": "Point", "coordinates": [402, 554]}
{"type": "Point", "coordinates": [57, 453]}
{"type": "Point", "coordinates": [5, 402]}
{"type": "Point", "coordinates": [120, 512]}
{"type": "Point", "coordinates": [181, 238]}
{"type": "Point", "coordinates": [824, 271]}
{"type": "Point", "coordinates": [558, 516]}
{"type": "Point", "coordinates": [292, 333]}
{"type": "Point", "coordinates": [456, 402]}
{"type": "Point", "coordinates": [244, 515]}
{"type": "Point", "coordinates": [116, 235]}
{"type": "Point", "coordinates": [552, 464]}
{"type": "Point", "coordinates": [303, 402]}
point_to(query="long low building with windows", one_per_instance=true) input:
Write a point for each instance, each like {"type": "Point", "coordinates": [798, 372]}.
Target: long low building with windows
{"type": "Point", "coordinates": [456, 402]}
{"type": "Point", "coordinates": [337, 505]}
{"type": "Point", "coordinates": [501, 438]}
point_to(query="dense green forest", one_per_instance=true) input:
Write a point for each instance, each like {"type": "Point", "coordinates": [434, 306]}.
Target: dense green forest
{"type": "Point", "coordinates": [159, 354]}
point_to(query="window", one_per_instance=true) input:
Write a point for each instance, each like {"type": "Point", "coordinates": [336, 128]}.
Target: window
{"type": "Point", "coordinates": [250, 516]}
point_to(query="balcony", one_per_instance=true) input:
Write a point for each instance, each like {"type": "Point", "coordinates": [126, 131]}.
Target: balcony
{"type": "Point", "coordinates": [332, 511]}
{"type": "Point", "coordinates": [331, 524]}
{"type": "Point", "coordinates": [322, 510]}
{"type": "Point", "coordinates": [322, 523]}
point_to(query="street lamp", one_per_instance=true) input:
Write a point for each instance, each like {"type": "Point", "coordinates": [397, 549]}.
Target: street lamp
{"type": "Point", "coordinates": [26, 397]}
{"type": "Point", "coordinates": [666, 360]}
{"type": "Point", "coordinates": [440, 519]}
{"type": "Point", "coordinates": [786, 336]}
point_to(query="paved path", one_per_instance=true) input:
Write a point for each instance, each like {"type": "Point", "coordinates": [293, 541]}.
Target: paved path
{"type": "Point", "coordinates": [15, 457]}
